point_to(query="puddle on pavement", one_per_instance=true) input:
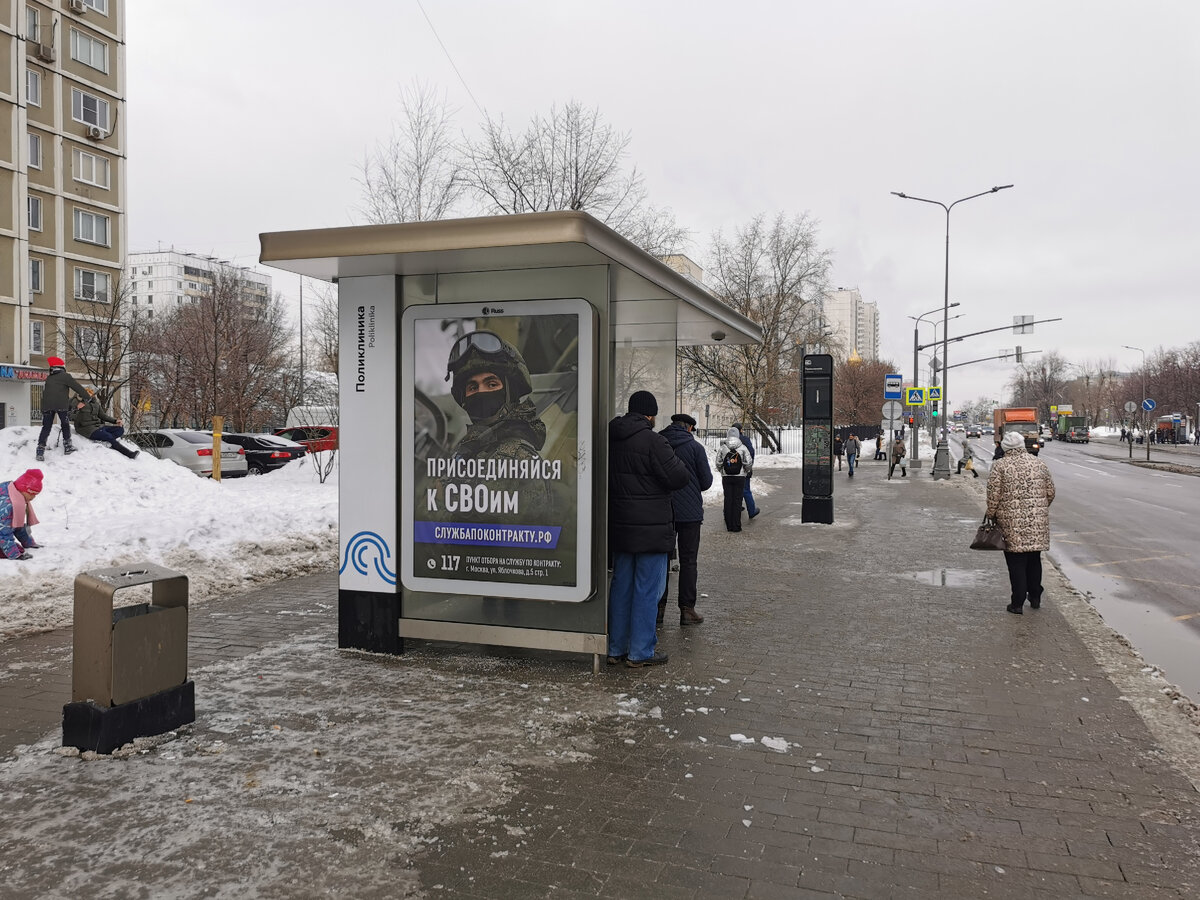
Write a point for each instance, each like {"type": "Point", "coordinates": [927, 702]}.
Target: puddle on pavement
{"type": "Point", "coordinates": [951, 577]}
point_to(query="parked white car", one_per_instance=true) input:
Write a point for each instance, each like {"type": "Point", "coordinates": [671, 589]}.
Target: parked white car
{"type": "Point", "coordinates": [191, 449]}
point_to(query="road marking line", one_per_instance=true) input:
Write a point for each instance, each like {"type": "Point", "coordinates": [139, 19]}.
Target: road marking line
{"type": "Point", "coordinates": [1121, 562]}
{"type": "Point", "coordinates": [1111, 546]}
{"type": "Point", "coordinates": [1185, 618]}
{"type": "Point", "coordinates": [1155, 506]}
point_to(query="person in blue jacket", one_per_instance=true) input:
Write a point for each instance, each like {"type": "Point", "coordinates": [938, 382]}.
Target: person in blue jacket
{"type": "Point", "coordinates": [688, 503]}
{"type": "Point", "coordinates": [747, 496]}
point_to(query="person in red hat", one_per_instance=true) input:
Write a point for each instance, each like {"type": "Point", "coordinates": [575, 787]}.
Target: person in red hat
{"type": "Point", "coordinates": [16, 514]}
{"type": "Point", "coordinates": [56, 402]}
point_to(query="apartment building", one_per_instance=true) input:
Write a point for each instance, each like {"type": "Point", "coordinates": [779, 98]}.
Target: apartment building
{"type": "Point", "coordinates": [854, 321]}
{"type": "Point", "coordinates": [159, 281]}
{"type": "Point", "coordinates": [62, 166]}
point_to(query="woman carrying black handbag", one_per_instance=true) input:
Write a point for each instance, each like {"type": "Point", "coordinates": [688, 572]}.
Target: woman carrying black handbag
{"type": "Point", "coordinates": [1019, 493]}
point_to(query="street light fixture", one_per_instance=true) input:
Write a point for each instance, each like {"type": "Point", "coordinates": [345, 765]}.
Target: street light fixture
{"type": "Point", "coordinates": [916, 445]}
{"type": "Point", "coordinates": [1145, 433]}
{"type": "Point", "coordinates": [941, 464]}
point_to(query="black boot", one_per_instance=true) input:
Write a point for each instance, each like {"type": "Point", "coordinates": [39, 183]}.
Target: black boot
{"type": "Point", "coordinates": [123, 450]}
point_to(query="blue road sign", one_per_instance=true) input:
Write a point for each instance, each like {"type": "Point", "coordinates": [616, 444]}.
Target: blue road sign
{"type": "Point", "coordinates": [1148, 404]}
{"type": "Point", "coordinates": [892, 386]}
{"type": "Point", "coordinates": [915, 397]}
{"type": "Point", "coordinates": [935, 393]}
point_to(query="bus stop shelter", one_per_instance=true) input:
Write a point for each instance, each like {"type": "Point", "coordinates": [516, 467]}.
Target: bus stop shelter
{"type": "Point", "coordinates": [459, 522]}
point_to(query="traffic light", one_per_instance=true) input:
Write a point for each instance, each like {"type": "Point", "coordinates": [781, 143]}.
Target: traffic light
{"type": "Point", "coordinates": [1019, 354]}
{"type": "Point", "coordinates": [935, 411]}
{"type": "Point", "coordinates": [910, 420]}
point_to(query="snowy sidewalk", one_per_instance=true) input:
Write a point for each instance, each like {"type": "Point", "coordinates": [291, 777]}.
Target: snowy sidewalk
{"type": "Point", "coordinates": [858, 717]}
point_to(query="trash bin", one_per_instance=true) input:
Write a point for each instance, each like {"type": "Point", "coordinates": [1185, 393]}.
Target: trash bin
{"type": "Point", "coordinates": [129, 666]}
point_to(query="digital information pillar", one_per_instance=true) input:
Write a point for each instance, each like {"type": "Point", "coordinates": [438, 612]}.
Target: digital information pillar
{"type": "Point", "coordinates": [816, 386]}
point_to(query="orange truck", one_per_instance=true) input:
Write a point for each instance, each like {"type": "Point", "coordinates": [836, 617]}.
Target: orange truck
{"type": "Point", "coordinates": [1022, 418]}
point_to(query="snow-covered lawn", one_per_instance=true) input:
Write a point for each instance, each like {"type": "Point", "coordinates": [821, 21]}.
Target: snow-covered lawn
{"type": "Point", "coordinates": [98, 509]}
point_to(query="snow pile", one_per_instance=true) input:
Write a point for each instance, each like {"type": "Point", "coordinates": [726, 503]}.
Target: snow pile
{"type": "Point", "coordinates": [98, 509]}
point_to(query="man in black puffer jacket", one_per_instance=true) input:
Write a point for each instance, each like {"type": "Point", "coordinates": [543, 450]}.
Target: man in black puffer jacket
{"type": "Point", "coordinates": [643, 470]}
{"type": "Point", "coordinates": [688, 503]}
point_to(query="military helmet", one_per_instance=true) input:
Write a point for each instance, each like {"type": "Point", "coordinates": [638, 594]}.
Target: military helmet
{"type": "Point", "coordinates": [486, 351]}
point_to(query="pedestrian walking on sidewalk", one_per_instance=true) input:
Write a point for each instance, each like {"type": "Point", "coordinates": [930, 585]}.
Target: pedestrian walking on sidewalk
{"type": "Point", "coordinates": [733, 462]}
{"type": "Point", "coordinates": [56, 402]}
{"type": "Point", "coordinates": [688, 504]}
{"type": "Point", "coordinates": [17, 516]}
{"type": "Point", "coordinates": [1020, 490]}
{"type": "Point", "coordinates": [853, 449]}
{"type": "Point", "coordinates": [838, 449]}
{"type": "Point", "coordinates": [879, 447]}
{"type": "Point", "coordinates": [643, 470]}
{"type": "Point", "coordinates": [898, 458]}
{"type": "Point", "coordinates": [747, 496]}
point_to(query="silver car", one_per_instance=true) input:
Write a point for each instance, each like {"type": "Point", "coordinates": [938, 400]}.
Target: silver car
{"type": "Point", "coordinates": [192, 450]}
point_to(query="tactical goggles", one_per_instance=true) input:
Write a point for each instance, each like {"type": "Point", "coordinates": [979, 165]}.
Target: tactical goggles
{"type": "Point", "coordinates": [482, 341]}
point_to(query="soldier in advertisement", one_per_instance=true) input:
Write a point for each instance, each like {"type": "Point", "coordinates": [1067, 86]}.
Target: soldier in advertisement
{"type": "Point", "coordinates": [491, 383]}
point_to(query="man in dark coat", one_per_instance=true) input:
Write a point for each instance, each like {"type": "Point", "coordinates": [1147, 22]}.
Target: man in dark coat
{"type": "Point", "coordinates": [56, 402]}
{"type": "Point", "coordinates": [688, 503]}
{"type": "Point", "coordinates": [643, 470]}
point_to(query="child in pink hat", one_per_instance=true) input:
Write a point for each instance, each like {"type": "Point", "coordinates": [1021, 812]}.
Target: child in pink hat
{"type": "Point", "coordinates": [17, 515]}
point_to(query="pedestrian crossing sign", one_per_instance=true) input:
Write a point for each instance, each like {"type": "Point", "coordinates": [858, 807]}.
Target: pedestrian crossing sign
{"type": "Point", "coordinates": [914, 397]}
{"type": "Point", "coordinates": [935, 393]}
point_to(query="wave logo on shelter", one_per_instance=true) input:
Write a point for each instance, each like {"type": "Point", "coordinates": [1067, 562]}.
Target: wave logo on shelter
{"type": "Point", "coordinates": [366, 550]}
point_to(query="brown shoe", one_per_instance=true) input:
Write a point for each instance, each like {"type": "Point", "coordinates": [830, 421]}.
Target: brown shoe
{"type": "Point", "coordinates": [656, 660]}
{"type": "Point", "coordinates": [689, 616]}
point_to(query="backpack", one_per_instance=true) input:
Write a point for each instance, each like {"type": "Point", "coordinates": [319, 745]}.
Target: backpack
{"type": "Point", "coordinates": [731, 463]}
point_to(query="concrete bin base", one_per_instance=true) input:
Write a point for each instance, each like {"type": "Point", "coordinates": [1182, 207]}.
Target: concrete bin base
{"type": "Point", "coordinates": [105, 728]}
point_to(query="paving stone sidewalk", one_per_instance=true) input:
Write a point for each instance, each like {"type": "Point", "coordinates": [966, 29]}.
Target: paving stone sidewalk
{"type": "Point", "coordinates": [858, 717]}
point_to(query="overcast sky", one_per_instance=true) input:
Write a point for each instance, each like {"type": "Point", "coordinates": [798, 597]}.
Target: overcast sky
{"type": "Point", "coordinates": [246, 117]}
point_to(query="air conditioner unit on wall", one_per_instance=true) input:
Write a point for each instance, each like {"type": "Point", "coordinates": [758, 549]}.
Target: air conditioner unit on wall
{"type": "Point", "coordinates": [45, 52]}
{"type": "Point", "coordinates": [95, 133]}
{"type": "Point", "coordinates": [76, 6]}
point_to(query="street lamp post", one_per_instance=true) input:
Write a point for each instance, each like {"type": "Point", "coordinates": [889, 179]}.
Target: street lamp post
{"type": "Point", "coordinates": [941, 462]}
{"type": "Point", "coordinates": [916, 445]}
{"type": "Point", "coordinates": [1145, 432]}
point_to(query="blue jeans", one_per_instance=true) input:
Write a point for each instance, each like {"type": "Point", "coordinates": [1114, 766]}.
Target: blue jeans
{"type": "Point", "coordinates": [749, 498]}
{"type": "Point", "coordinates": [637, 583]}
{"type": "Point", "coordinates": [107, 433]}
{"type": "Point", "coordinates": [850, 458]}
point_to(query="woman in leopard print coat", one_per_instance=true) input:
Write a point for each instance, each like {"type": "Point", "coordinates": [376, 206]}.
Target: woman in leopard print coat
{"type": "Point", "coordinates": [1019, 493]}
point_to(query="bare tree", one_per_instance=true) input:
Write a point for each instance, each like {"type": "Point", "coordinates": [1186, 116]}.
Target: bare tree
{"type": "Point", "coordinates": [322, 343]}
{"type": "Point", "coordinates": [858, 391]}
{"type": "Point", "coordinates": [222, 355]}
{"type": "Point", "coordinates": [105, 336]}
{"type": "Point", "coordinates": [569, 159]}
{"type": "Point", "coordinates": [416, 175]}
{"type": "Point", "coordinates": [774, 273]}
{"type": "Point", "coordinates": [1041, 384]}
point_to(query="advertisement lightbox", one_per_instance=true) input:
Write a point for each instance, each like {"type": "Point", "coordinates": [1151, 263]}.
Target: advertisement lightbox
{"type": "Point", "coordinates": [497, 403]}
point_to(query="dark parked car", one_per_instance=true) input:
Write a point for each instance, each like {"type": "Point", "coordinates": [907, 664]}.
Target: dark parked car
{"type": "Point", "coordinates": [315, 437]}
{"type": "Point", "coordinates": [265, 452]}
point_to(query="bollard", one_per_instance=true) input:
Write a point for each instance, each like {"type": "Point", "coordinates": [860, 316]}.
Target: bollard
{"type": "Point", "coordinates": [129, 664]}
